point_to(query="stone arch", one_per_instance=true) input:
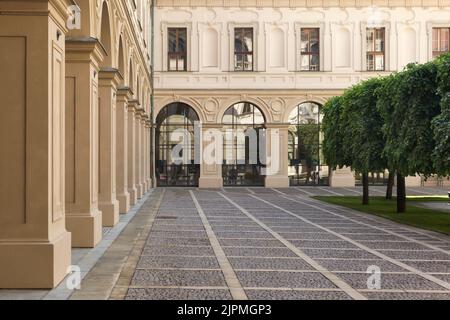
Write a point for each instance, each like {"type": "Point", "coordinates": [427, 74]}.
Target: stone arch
{"type": "Point", "coordinates": [161, 103]}
{"type": "Point", "coordinates": [106, 35]}
{"type": "Point", "coordinates": [317, 100]}
{"type": "Point", "coordinates": [265, 109]}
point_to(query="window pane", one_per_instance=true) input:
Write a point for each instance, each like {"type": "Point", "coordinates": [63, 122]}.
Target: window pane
{"type": "Point", "coordinates": [248, 40]}
{"type": "Point", "coordinates": [370, 37]}
{"type": "Point", "coordinates": [379, 43]}
{"type": "Point", "coordinates": [238, 62]}
{"type": "Point", "coordinates": [379, 62]}
{"type": "Point", "coordinates": [370, 62]}
{"type": "Point", "coordinates": [305, 62]}
{"type": "Point", "coordinates": [304, 44]}
{"type": "Point", "coordinates": [248, 62]}
{"type": "Point", "coordinates": [444, 39]}
{"type": "Point", "coordinates": [314, 65]}
{"type": "Point", "coordinates": [237, 42]}
{"type": "Point", "coordinates": [435, 39]}
{"type": "Point", "coordinates": [172, 64]}
{"type": "Point", "coordinates": [181, 63]}
{"type": "Point", "coordinates": [172, 40]}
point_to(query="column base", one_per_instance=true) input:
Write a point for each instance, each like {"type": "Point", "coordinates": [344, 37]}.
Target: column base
{"type": "Point", "coordinates": [144, 187]}
{"type": "Point", "coordinates": [342, 178]}
{"type": "Point", "coordinates": [210, 182]}
{"type": "Point", "coordinates": [34, 265]}
{"type": "Point", "coordinates": [86, 229]}
{"type": "Point", "coordinates": [139, 190]}
{"type": "Point", "coordinates": [413, 181]}
{"type": "Point", "coordinates": [133, 196]}
{"type": "Point", "coordinates": [276, 182]}
{"type": "Point", "coordinates": [124, 202]}
{"type": "Point", "coordinates": [110, 213]}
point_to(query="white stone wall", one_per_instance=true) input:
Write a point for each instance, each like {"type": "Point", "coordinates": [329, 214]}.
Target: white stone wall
{"type": "Point", "coordinates": [276, 44]}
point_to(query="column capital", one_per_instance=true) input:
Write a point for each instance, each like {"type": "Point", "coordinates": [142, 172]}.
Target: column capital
{"type": "Point", "coordinates": [132, 106]}
{"type": "Point", "coordinates": [84, 49]}
{"type": "Point", "coordinates": [124, 94]}
{"type": "Point", "coordinates": [109, 76]}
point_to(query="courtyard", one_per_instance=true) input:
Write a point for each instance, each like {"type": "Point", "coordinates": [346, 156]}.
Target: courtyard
{"type": "Point", "coordinates": [258, 244]}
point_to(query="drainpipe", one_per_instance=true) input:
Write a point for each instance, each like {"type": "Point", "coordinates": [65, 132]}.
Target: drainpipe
{"type": "Point", "coordinates": [152, 97]}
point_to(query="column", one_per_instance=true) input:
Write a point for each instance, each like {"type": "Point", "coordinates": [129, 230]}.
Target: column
{"type": "Point", "coordinates": [277, 156]}
{"type": "Point", "coordinates": [108, 80]}
{"type": "Point", "coordinates": [131, 154]}
{"type": "Point", "coordinates": [211, 163]}
{"type": "Point", "coordinates": [143, 152]}
{"type": "Point", "coordinates": [343, 177]}
{"type": "Point", "coordinates": [147, 162]}
{"type": "Point", "coordinates": [137, 166]}
{"type": "Point", "coordinates": [123, 196]}
{"type": "Point", "coordinates": [35, 248]}
{"type": "Point", "coordinates": [83, 217]}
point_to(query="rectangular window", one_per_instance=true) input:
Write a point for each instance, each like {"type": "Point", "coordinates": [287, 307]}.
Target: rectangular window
{"type": "Point", "coordinates": [440, 41]}
{"type": "Point", "coordinates": [243, 49]}
{"type": "Point", "coordinates": [310, 49]}
{"type": "Point", "coordinates": [375, 39]}
{"type": "Point", "coordinates": [177, 53]}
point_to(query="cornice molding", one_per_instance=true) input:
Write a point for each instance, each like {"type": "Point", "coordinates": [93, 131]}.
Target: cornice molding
{"type": "Point", "coordinates": [302, 3]}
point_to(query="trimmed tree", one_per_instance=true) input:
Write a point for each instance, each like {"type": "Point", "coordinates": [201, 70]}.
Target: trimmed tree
{"type": "Point", "coordinates": [363, 140]}
{"type": "Point", "coordinates": [408, 102]}
{"type": "Point", "coordinates": [441, 123]}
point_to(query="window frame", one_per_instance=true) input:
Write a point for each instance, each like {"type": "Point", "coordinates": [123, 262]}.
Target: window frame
{"type": "Point", "coordinates": [439, 52]}
{"type": "Point", "coordinates": [323, 31]}
{"type": "Point", "coordinates": [375, 53]}
{"type": "Point", "coordinates": [177, 54]}
{"type": "Point", "coordinates": [310, 53]}
{"type": "Point", "coordinates": [244, 30]}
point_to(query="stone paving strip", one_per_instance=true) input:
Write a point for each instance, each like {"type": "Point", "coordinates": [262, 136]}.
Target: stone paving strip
{"type": "Point", "coordinates": [294, 279]}
{"type": "Point", "coordinates": [358, 244]}
{"type": "Point", "coordinates": [373, 222]}
{"type": "Point", "coordinates": [400, 233]}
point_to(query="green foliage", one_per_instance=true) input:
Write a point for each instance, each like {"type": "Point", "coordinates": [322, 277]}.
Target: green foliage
{"type": "Point", "coordinates": [441, 124]}
{"type": "Point", "coordinates": [363, 137]}
{"type": "Point", "coordinates": [332, 145]}
{"type": "Point", "coordinates": [408, 103]}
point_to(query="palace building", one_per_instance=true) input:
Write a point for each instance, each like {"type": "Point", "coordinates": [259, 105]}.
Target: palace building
{"type": "Point", "coordinates": [91, 95]}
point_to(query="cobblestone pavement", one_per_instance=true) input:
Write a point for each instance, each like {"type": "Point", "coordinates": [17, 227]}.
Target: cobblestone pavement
{"type": "Point", "coordinates": [255, 243]}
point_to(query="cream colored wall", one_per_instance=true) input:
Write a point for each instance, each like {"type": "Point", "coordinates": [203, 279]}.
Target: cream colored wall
{"type": "Point", "coordinates": [276, 40]}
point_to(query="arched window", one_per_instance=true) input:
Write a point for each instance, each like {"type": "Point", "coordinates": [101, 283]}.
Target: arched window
{"type": "Point", "coordinates": [243, 131]}
{"type": "Point", "coordinates": [304, 150]}
{"type": "Point", "coordinates": [175, 146]}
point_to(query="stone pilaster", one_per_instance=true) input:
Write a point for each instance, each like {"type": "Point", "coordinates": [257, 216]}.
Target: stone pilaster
{"type": "Point", "coordinates": [35, 248]}
{"type": "Point", "coordinates": [123, 195]}
{"type": "Point", "coordinates": [108, 81]}
{"type": "Point", "coordinates": [277, 156]}
{"type": "Point", "coordinates": [83, 217]}
{"type": "Point", "coordinates": [131, 162]}
{"type": "Point", "coordinates": [211, 163]}
{"type": "Point", "coordinates": [138, 153]}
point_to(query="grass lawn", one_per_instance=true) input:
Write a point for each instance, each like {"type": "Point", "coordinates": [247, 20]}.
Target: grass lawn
{"type": "Point", "coordinates": [414, 216]}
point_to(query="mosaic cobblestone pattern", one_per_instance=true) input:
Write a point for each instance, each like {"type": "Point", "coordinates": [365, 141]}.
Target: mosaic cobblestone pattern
{"type": "Point", "coordinates": [281, 244]}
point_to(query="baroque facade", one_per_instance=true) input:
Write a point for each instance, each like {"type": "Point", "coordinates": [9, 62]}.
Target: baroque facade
{"type": "Point", "coordinates": [75, 129]}
{"type": "Point", "coordinates": [282, 56]}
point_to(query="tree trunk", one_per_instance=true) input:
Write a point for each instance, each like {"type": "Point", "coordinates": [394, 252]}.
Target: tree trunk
{"type": "Point", "coordinates": [365, 181]}
{"type": "Point", "coordinates": [390, 186]}
{"type": "Point", "coordinates": [401, 194]}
